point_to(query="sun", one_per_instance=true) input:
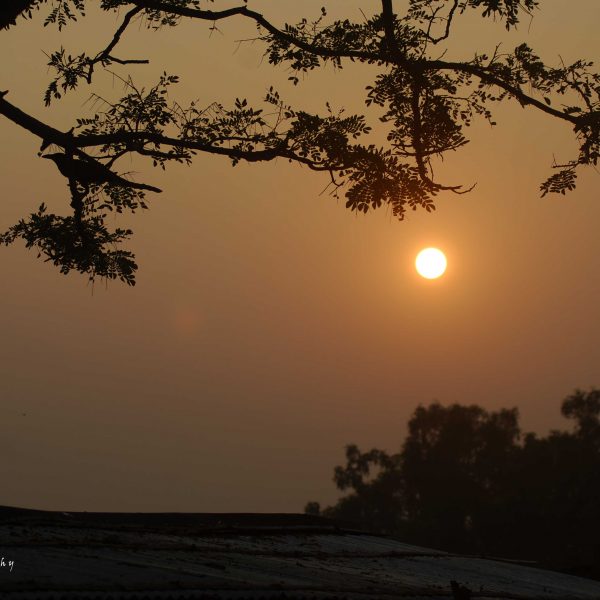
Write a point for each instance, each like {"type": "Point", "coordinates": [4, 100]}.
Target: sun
{"type": "Point", "coordinates": [431, 263]}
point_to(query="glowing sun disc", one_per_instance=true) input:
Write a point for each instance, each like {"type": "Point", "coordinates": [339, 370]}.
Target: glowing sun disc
{"type": "Point", "coordinates": [431, 263]}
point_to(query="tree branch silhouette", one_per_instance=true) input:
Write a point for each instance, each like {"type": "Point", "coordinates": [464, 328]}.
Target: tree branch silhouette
{"type": "Point", "coordinates": [428, 102]}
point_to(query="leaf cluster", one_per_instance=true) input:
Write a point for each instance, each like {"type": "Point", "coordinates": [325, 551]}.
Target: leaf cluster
{"type": "Point", "coordinates": [63, 11]}
{"type": "Point", "coordinates": [86, 247]}
{"type": "Point", "coordinates": [69, 70]}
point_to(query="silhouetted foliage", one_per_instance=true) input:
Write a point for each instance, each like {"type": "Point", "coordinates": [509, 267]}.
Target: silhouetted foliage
{"type": "Point", "coordinates": [425, 99]}
{"type": "Point", "coordinates": [468, 480]}
{"type": "Point", "coordinates": [85, 246]}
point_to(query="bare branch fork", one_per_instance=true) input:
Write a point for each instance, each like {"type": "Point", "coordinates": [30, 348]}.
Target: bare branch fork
{"type": "Point", "coordinates": [105, 56]}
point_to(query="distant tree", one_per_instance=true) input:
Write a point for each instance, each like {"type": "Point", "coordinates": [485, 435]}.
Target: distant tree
{"type": "Point", "coordinates": [450, 473]}
{"type": "Point", "coordinates": [425, 98]}
{"type": "Point", "coordinates": [312, 508]}
{"type": "Point", "coordinates": [377, 498]}
{"type": "Point", "coordinates": [467, 480]}
{"type": "Point", "coordinates": [455, 465]}
{"type": "Point", "coordinates": [556, 491]}
{"type": "Point", "coordinates": [584, 409]}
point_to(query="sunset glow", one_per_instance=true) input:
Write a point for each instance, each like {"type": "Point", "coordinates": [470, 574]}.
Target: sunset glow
{"type": "Point", "coordinates": [274, 323]}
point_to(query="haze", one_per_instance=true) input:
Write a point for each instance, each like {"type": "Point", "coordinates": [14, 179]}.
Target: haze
{"type": "Point", "coordinates": [270, 326]}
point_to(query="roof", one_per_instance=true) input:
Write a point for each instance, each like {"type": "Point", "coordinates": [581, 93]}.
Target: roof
{"type": "Point", "coordinates": [135, 556]}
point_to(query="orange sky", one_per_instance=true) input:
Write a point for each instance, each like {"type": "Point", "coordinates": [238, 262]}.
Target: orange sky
{"type": "Point", "coordinates": [270, 326]}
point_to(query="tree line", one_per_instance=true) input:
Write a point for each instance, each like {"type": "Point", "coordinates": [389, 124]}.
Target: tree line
{"type": "Point", "coordinates": [469, 480]}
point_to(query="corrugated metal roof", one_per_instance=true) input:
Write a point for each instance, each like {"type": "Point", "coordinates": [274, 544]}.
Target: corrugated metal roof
{"type": "Point", "coordinates": [134, 556]}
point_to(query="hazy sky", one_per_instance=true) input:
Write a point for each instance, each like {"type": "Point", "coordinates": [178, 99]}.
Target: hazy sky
{"type": "Point", "coordinates": [270, 326]}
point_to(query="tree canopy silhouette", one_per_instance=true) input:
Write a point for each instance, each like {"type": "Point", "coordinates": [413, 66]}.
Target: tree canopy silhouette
{"type": "Point", "coordinates": [469, 480]}
{"type": "Point", "coordinates": [426, 99]}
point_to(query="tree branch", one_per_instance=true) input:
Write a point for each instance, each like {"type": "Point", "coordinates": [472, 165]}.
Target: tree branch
{"type": "Point", "coordinates": [490, 78]}
{"type": "Point", "coordinates": [394, 56]}
{"type": "Point", "coordinates": [388, 26]}
{"type": "Point", "coordinates": [446, 33]}
{"type": "Point", "coordinates": [105, 55]}
{"type": "Point", "coordinates": [50, 135]}
{"type": "Point", "coordinates": [211, 15]}
{"type": "Point", "coordinates": [146, 137]}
